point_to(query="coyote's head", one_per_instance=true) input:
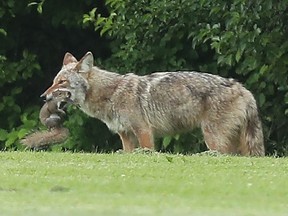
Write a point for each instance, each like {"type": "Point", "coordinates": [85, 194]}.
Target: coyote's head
{"type": "Point", "coordinates": [72, 78]}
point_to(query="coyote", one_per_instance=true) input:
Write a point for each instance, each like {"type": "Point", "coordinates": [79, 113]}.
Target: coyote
{"type": "Point", "coordinates": [140, 108]}
{"type": "Point", "coordinates": [51, 116]}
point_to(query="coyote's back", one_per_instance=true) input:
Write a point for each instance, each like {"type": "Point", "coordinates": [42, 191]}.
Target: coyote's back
{"type": "Point", "coordinates": [141, 107]}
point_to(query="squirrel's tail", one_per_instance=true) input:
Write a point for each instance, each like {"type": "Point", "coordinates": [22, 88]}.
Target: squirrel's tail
{"type": "Point", "coordinates": [44, 138]}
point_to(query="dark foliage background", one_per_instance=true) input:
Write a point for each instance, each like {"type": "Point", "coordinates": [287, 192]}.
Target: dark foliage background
{"type": "Point", "coordinates": [245, 40]}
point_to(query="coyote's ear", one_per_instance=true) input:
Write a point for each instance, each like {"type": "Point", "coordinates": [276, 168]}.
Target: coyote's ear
{"type": "Point", "coordinates": [86, 63]}
{"type": "Point", "coordinates": [69, 58]}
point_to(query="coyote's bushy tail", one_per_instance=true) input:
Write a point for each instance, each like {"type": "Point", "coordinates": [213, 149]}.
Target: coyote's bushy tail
{"type": "Point", "coordinates": [251, 137]}
{"type": "Point", "coordinates": [40, 139]}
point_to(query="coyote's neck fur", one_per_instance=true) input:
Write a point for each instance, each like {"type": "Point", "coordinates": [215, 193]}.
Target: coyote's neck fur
{"type": "Point", "coordinates": [99, 102]}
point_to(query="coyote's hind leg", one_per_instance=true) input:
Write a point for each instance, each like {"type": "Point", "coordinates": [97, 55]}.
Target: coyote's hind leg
{"type": "Point", "coordinates": [219, 137]}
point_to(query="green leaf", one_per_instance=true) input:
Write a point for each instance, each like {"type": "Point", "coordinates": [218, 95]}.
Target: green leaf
{"type": "Point", "coordinates": [262, 85]}
{"type": "Point", "coordinates": [38, 4]}
{"type": "Point", "coordinates": [238, 55]}
{"type": "Point", "coordinates": [215, 38]}
{"type": "Point", "coordinates": [166, 141]}
{"type": "Point", "coordinates": [229, 60]}
{"type": "Point", "coordinates": [253, 78]}
{"type": "Point", "coordinates": [32, 3]}
{"type": "Point", "coordinates": [100, 20]}
{"type": "Point", "coordinates": [262, 99]}
{"type": "Point", "coordinates": [263, 69]}
{"type": "Point", "coordinates": [214, 10]}
{"type": "Point", "coordinates": [22, 133]}
{"type": "Point", "coordinates": [3, 134]}
{"type": "Point", "coordinates": [40, 9]}
{"type": "Point", "coordinates": [177, 137]}
{"type": "Point", "coordinates": [12, 137]}
{"type": "Point", "coordinates": [10, 3]}
{"type": "Point", "coordinates": [16, 90]}
{"type": "Point", "coordinates": [216, 45]}
{"type": "Point", "coordinates": [2, 31]}
{"type": "Point", "coordinates": [240, 51]}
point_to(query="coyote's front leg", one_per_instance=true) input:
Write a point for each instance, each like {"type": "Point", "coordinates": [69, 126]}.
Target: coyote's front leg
{"type": "Point", "coordinates": [127, 143]}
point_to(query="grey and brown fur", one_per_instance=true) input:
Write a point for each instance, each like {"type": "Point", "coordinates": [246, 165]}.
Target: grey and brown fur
{"type": "Point", "coordinates": [140, 108]}
{"type": "Point", "coordinates": [51, 116]}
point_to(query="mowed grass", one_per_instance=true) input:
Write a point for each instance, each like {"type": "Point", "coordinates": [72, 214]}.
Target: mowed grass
{"type": "Point", "coordinates": [41, 183]}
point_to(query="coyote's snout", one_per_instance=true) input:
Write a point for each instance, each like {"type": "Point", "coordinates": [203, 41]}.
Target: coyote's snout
{"type": "Point", "coordinates": [139, 108]}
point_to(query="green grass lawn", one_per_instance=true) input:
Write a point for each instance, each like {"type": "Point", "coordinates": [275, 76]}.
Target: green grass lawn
{"type": "Point", "coordinates": [39, 183]}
